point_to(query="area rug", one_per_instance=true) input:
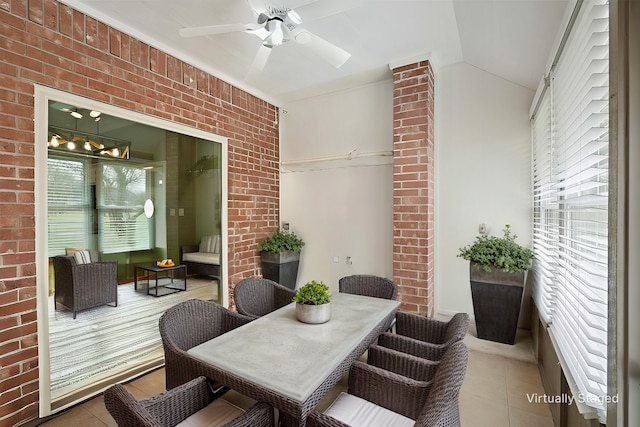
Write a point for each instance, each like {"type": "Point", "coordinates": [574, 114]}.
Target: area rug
{"type": "Point", "coordinates": [104, 340]}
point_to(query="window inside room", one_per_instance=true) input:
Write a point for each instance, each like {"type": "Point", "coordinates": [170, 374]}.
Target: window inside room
{"type": "Point", "coordinates": [122, 191]}
{"type": "Point", "coordinates": [570, 146]}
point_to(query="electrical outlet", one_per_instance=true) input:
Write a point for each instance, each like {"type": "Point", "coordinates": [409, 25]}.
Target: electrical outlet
{"type": "Point", "coordinates": [482, 228]}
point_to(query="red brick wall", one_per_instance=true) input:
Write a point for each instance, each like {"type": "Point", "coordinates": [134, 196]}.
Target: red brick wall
{"type": "Point", "coordinates": [45, 42]}
{"type": "Point", "coordinates": [413, 186]}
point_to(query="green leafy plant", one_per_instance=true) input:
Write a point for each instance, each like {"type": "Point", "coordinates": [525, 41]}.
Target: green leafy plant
{"type": "Point", "coordinates": [314, 293]}
{"type": "Point", "coordinates": [502, 253]}
{"type": "Point", "coordinates": [281, 241]}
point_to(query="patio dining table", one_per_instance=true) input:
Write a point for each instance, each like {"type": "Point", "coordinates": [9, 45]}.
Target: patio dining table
{"type": "Point", "coordinates": [291, 365]}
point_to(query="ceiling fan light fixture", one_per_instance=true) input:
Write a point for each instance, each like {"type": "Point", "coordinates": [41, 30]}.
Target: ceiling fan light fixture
{"type": "Point", "coordinates": [278, 33]}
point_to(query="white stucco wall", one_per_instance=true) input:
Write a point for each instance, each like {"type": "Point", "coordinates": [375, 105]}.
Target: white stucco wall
{"type": "Point", "coordinates": [482, 171]}
{"type": "Point", "coordinates": [345, 209]}
{"type": "Point", "coordinates": [341, 208]}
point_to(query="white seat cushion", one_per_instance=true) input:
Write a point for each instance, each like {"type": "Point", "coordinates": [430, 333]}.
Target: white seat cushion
{"type": "Point", "coordinates": [202, 257]}
{"type": "Point", "coordinates": [358, 412]}
{"type": "Point", "coordinates": [219, 412]}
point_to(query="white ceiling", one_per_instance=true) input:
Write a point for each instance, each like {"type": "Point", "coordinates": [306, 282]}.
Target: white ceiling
{"type": "Point", "coordinates": [509, 38]}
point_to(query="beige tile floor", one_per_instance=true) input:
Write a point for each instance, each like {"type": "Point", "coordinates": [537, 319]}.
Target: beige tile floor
{"type": "Point", "coordinates": [494, 393]}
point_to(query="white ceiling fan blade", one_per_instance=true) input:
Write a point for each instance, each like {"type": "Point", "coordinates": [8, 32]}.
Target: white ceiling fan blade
{"type": "Point", "coordinates": [216, 29]}
{"type": "Point", "coordinates": [260, 60]}
{"type": "Point", "coordinates": [331, 53]}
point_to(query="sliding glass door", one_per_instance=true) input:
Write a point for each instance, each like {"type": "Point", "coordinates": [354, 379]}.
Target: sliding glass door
{"type": "Point", "coordinates": [127, 188]}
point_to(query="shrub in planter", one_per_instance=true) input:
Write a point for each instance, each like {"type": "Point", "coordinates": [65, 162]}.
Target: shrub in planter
{"type": "Point", "coordinates": [313, 303]}
{"type": "Point", "coordinates": [314, 293]}
{"type": "Point", "coordinates": [280, 255]}
{"type": "Point", "coordinates": [281, 241]}
{"type": "Point", "coordinates": [502, 253]}
{"type": "Point", "coordinates": [497, 271]}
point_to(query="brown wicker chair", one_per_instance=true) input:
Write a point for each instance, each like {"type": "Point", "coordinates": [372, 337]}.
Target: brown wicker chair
{"type": "Point", "coordinates": [367, 285]}
{"type": "Point", "coordinates": [82, 286]}
{"type": "Point", "coordinates": [424, 336]}
{"type": "Point", "coordinates": [256, 297]}
{"type": "Point", "coordinates": [174, 406]}
{"type": "Point", "coordinates": [187, 325]}
{"type": "Point", "coordinates": [430, 403]}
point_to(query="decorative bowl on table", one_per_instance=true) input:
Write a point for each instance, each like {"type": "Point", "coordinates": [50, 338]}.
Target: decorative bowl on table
{"type": "Point", "coordinates": [165, 263]}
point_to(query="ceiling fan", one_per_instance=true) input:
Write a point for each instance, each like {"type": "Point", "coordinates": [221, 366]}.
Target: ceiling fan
{"type": "Point", "coordinates": [276, 24]}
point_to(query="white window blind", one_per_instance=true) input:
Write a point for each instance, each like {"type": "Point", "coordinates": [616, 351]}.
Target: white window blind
{"type": "Point", "coordinates": [545, 211]}
{"type": "Point", "coordinates": [570, 209]}
{"type": "Point", "coordinates": [69, 205]}
{"type": "Point", "coordinates": [122, 191]}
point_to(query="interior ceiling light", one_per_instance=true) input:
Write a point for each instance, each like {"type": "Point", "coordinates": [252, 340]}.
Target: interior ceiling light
{"type": "Point", "coordinates": [278, 33]}
{"type": "Point", "coordinates": [94, 145]}
{"type": "Point", "coordinates": [96, 115]}
{"type": "Point", "coordinates": [76, 114]}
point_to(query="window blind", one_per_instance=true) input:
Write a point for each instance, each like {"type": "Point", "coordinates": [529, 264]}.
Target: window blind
{"type": "Point", "coordinates": [570, 209]}
{"type": "Point", "coordinates": [68, 205]}
{"type": "Point", "coordinates": [122, 191]}
{"type": "Point", "coordinates": [545, 211]}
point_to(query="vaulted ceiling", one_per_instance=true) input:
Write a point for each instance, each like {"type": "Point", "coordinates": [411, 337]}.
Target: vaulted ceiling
{"type": "Point", "coordinates": [509, 38]}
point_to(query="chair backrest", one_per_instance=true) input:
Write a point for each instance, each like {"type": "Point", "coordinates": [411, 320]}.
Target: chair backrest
{"type": "Point", "coordinates": [457, 328]}
{"type": "Point", "coordinates": [256, 297]}
{"type": "Point", "coordinates": [442, 407]}
{"type": "Point", "coordinates": [190, 323]}
{"type": "Point", "coordinates": [62, 267]}
{"type": "Point", "coordinates": [368, 285]}
{"type": "Point", "coordinates": [210, 244]}
{"type": "Point", "coordinates": [126, 410]}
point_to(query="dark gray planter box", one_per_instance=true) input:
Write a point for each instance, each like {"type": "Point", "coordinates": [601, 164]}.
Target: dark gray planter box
{"type": "Point", "coordinates": [497, 297]}
{"type": "Point", "coordinates": [282, 268]}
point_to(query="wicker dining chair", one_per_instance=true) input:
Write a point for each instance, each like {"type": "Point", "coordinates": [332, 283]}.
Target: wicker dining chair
{"type": "Point", "coordinates": [368, 285]}
{"type": "Point", "coordinates": [186, 325]}
{"type": "Point", "coordinates": [376, 395]}
{"type": "Point", "coordinates": [425, 336]}
{"type": "Point", "coordinates": [255, 297]}
{"type": "Point", "coordinates": [192, 401]}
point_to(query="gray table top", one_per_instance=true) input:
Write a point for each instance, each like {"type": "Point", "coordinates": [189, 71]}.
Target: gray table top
{"type": "Point", "coordinates": [293, 358]}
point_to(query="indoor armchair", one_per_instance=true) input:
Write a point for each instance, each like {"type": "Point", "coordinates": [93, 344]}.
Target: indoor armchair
{"type": "Point", "coordinates": [80, 286]}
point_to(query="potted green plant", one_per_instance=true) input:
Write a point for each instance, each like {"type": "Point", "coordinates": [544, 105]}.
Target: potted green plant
{"type": "Point", "coordinates": [280, 256]}
{"type": "Point", "coordinates": [498, 270]}
{"type": "Point", "coordinates": [313, 303]}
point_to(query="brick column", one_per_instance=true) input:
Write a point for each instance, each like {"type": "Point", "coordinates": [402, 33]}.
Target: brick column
{"type": "Point", "coordinates": [413, 186]}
